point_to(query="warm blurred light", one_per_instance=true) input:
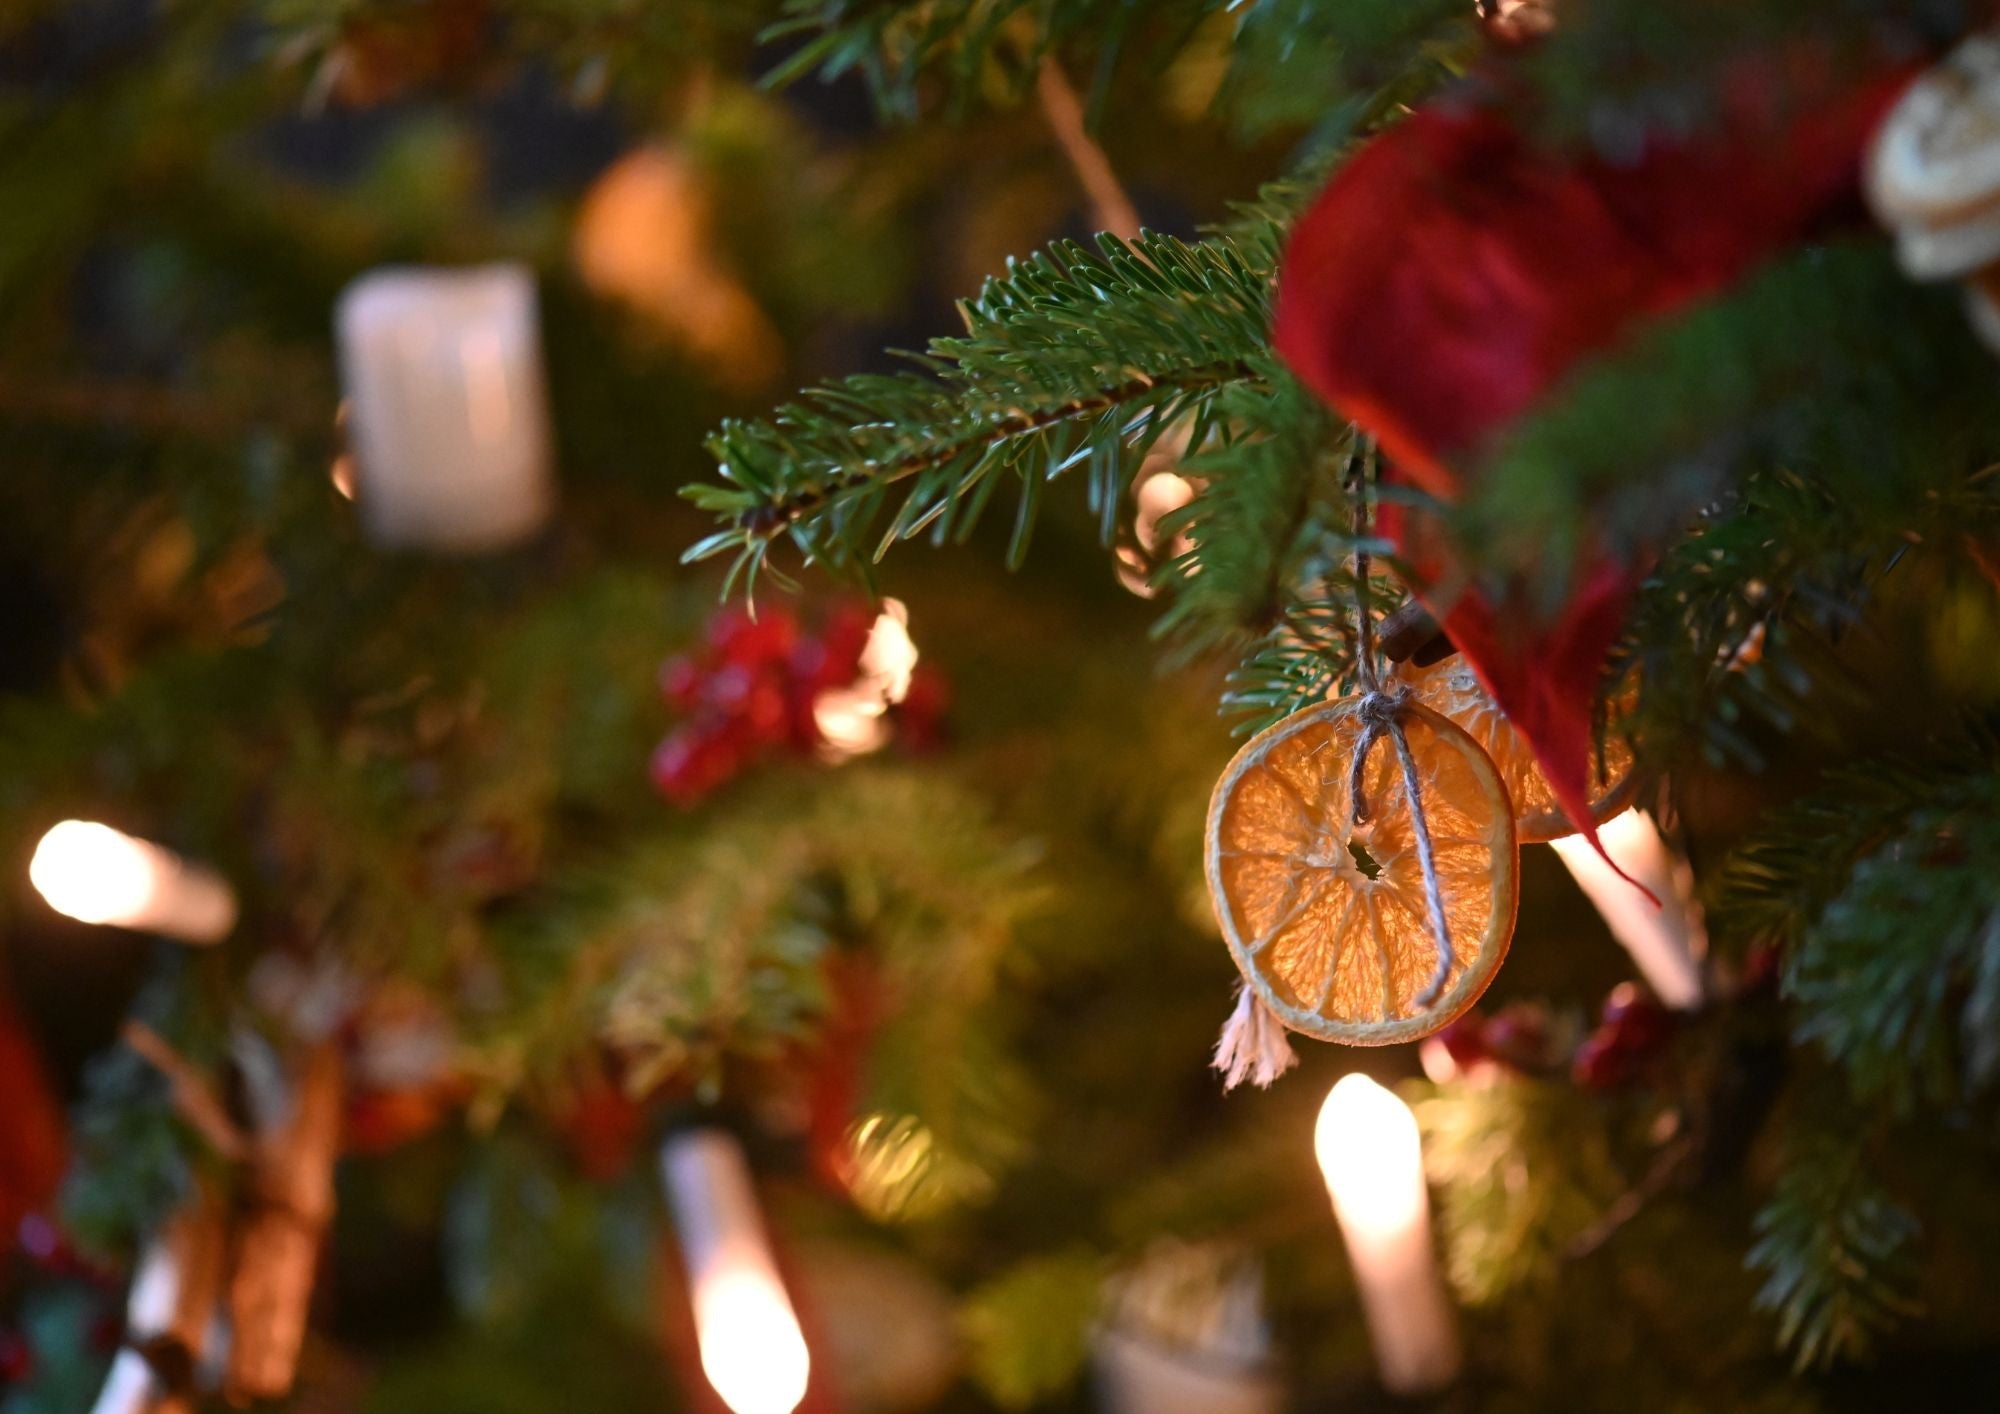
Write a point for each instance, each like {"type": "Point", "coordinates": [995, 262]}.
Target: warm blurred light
{"type": "Point", "coordinates": [1368, 1148]}
{"type": "Point", "coordinates": [342, 476]}
{"type": "Point", "coordinates": [1158, 495]}
{"type": "Point", "coordinates": [850, 723]}
{"type": "Point", "coordinates": [891, 654]}
{"type": "Point", "coordinates": [93, 873]}
{"type": "Point", "coordinates": [850, 719]}
{"type": "Point", "coordinates": [1666, 939]}
{"type": "Point", "coordinates": [751, 1347]}
{"type": "Point", "coordinates": [96, 874]}
{"type": "Point", "coordinates": [1440, 1068]}
{"type": "Point", "coordinates": [1367, 1145]}
{"type": "Point", "coordinates": [645, 237]}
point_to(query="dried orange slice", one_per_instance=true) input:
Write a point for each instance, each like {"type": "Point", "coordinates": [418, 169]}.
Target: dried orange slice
{"type": "Point", "coordinates": [1326, 918]}
{"type": "Point", "coordinates": [1451, 688]}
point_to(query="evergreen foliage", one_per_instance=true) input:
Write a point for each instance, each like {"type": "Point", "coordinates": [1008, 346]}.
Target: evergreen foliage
{"type": "Point", "coordinates": [429, 776]}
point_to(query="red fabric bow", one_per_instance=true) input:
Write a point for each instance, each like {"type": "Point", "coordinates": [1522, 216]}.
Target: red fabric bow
{"type": "Point", "coordinates": [1453, 273]}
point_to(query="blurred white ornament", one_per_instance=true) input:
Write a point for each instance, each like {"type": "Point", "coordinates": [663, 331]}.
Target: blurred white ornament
{"type": "Point", "coordinates": [1185, 1334]}
{"type": "Point", "coordinates": [751, 1347]}
{"type": "Point", "coordinates": [447, 406]}
{"type": "Point", "coordinates": [95, 874]}
{"type": "Point", "coordinates": [1369, 1150]}
{"type": "Point", "coordinates": [1667, 939]}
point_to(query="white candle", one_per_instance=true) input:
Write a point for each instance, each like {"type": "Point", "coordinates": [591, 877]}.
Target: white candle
{"type": "Point", "coordinates": [447, 409]}
{"type": "Point", "coordinates": [1368, 1148]}
{"type": "Point", "coordinates": [751, 1347]}
{"type": "Point", "coordinates": [1667, 941]}
{"type": "Point", "coordinates": [96, 874]}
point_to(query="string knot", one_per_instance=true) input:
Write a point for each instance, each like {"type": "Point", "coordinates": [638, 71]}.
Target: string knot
{"type": "Point", "coordinates": [1380, 708]}
{"type": "Point", "coordinates": [1379, 712]}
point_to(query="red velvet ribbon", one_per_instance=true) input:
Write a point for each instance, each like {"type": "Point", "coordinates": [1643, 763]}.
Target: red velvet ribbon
{"type": "Point", "coordinates": [1453, 273]}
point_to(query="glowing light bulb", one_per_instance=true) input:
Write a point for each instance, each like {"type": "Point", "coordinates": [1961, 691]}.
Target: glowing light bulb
{"type": "Point", "coordinates": [1369, 1150]}
{"type": "Point", "coordinates": [752, 1349]}
{"type": "Point", "coordinates": [95, 874]}
{"type": "Point", "coordinates": [851, 719]}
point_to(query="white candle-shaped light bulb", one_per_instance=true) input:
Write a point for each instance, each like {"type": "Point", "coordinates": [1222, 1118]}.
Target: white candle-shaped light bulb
{"type": "Point", "coordinates": [751, 1347]}
{"type": "Point", "coordinates": [447, 408]}
{"type": "Point", "coordinates": [1666, 940]}
{"type": "Point", "coordinates": [95, 874]}
{"type": "Point", "coordinates": [1368, 1149]}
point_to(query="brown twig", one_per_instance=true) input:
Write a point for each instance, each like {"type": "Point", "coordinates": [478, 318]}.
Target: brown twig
{"type": "Point", "coordinates": [192, 1096]}
{"type": "Point", "coordinates": [1110, 204]}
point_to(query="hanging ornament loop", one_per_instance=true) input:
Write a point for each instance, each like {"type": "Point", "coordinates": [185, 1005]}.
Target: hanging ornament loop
{"type": "Point", "coordinates": [1382, 714]}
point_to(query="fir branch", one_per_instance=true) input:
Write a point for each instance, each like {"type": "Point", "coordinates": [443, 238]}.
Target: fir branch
{"type": "Point", "coordinates": [1510, 1223]}
{"type": "Point", "coordinates": [1074, 357]}
{"type": "Point", "coordinates": [1836, 1252]}
{"type": "Point", "coordinates": [976, 45]}
{"type": "Point", "coordinates": [1030, 1327]}
{"type": "Point", "coordinates": [1271, 518]}
{"type": "Point", "coordinates": [1885, 886]}
{"type": "Point", "coordinates": [1738, 628]}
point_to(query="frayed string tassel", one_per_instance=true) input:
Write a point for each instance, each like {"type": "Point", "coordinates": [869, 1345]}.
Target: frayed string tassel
{"type": "Point", "coordinates": [1253, 1045]}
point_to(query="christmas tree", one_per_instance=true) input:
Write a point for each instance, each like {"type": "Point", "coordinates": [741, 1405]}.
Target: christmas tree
{"type": "Point", "coordinates": [549, 871]}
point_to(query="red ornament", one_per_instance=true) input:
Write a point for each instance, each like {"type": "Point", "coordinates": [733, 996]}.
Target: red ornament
{"type": "Point", "coordinates": [1454, 272]}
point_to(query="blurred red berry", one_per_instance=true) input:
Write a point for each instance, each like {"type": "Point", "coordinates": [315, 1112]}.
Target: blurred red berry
{"type": "Point", "coordinates": [749, 642]}
{"type": "Point", "coordinates": [920, 715]}
{"type": "Point", "coordinates": [1762, 969]}
{"type": "Point", "coordinates": [1601, 1065]}
{"type": "Point", "coordinates": [1518, 1035]}
{"type": "Point", "coordinates": [1635, 1021]}
{"type": "Point", "coordinates": [1464, 1040]}
{"type": "Point", "coordinates": [681, 679]}
{"type": "Point", "coordinates": [841, 642]}
{"type": "Point", "coordinates": [691, 763]}
{"type": "Point", "coordinates": [41, 1241]}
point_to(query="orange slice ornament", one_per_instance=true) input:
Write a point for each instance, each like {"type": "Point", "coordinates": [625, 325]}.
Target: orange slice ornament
{"type": "Point", "coordinates": [1326, 916]}
{"type": "Point", "coordinates": [1454, 690]}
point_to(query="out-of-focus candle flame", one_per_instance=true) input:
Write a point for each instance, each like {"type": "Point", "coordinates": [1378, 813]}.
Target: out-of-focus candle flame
{"type": "Point", "coordinates": [751, 1347]}
{"type": "Point", "coordinates": [850, 719]}
{"type": "Point", "coordinates": [1367, 1145]}
{"type": "Point", "coordinates": [95, 874]}
{"type": "Point", "coordinates": [1368, 1148]}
